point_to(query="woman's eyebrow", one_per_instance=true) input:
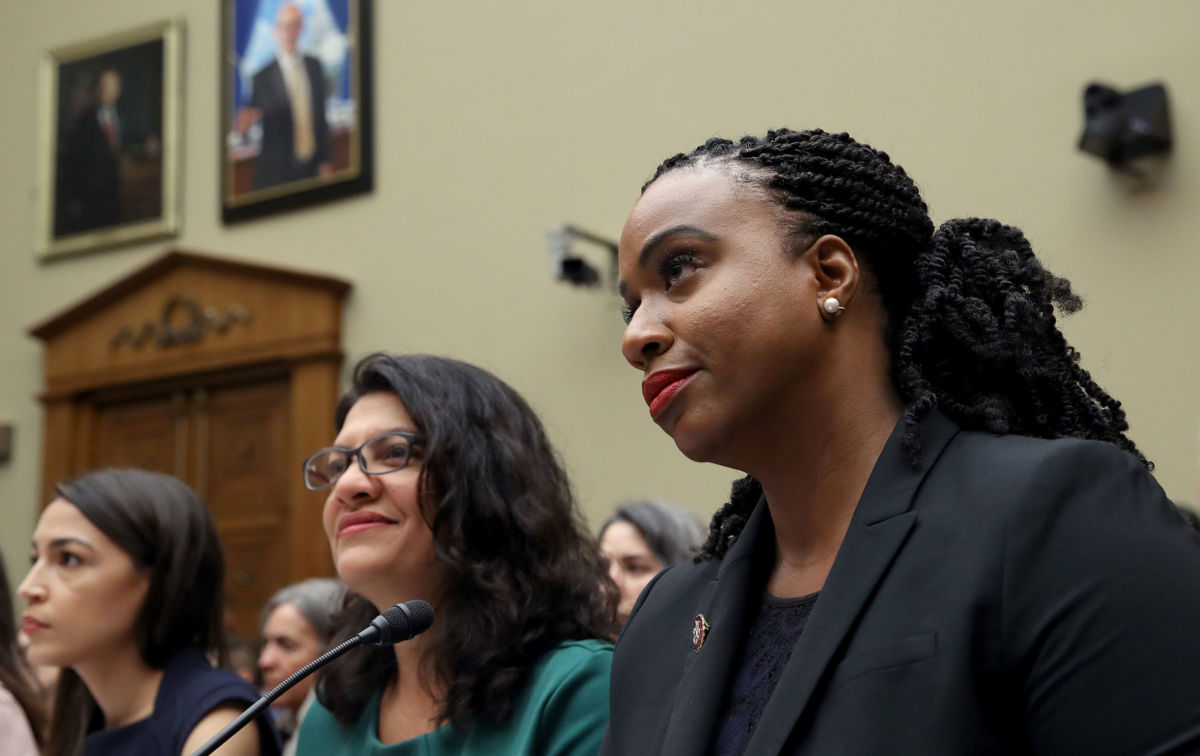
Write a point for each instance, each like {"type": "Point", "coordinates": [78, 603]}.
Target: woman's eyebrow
{"type": "Point", "coordinates": [397, 429]}
{"type": "Point", "coordinates": [660, 238]}
{"type": "Point", "coordinates": [56, 543]}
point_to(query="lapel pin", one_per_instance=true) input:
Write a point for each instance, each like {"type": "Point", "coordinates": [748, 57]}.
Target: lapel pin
{"type": "Point", "coordinates": [700, 629]}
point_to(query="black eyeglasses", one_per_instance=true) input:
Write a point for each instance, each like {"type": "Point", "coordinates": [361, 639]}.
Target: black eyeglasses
{"type": "Point", "coordinates": [379, 455]}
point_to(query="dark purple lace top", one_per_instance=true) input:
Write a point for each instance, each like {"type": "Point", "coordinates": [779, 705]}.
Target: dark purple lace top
{"type": "Point", "coordinates": [768, 648]}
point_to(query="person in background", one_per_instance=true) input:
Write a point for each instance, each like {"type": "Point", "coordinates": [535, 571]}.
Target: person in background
{"type": "Point", "coordinates": [441, 485]}
{"type": "Point", "coordinates": [641, 539]}
{"type": "Point", "coordinates": [297, 626]}
{"type": "Point", "coordinates": [125, 594]}
{"type": "Point", "coordinates": [242, 658]}
{"type": "Point", "coordinates": [22, 715]}
{"type": "Point", "coordinates": [945, 542]}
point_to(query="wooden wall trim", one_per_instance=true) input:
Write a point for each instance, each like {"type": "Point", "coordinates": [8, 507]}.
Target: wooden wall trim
{"type": "Point", "coordinates": [176, 258]}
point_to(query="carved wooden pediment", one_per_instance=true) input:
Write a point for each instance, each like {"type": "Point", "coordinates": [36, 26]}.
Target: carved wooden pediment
{"type": "Point", "coordinates": [185, 313]}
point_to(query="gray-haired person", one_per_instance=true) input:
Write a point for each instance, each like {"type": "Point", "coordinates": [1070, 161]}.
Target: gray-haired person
{"type": "Point", "coordinates": [641, 539]}
{"type": "Point", "coordinates": [297, 627]}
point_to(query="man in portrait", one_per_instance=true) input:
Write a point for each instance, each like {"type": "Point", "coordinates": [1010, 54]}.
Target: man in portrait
{"type": "Point", "coordinates": [89, 168]}
{"type": "Point", "coordinates": [288, 98]}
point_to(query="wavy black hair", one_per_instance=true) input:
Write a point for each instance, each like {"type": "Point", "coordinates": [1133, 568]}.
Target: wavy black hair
{"type": "Point", "coordinates": [523, 573]}
{"type": "Point", "coordinates": [970, 326]}
{"type": "Point", "coordinates": [168, 533]}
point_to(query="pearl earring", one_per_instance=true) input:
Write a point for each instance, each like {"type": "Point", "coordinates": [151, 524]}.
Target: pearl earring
{"type": "Point", "coordinates": [832, 306]}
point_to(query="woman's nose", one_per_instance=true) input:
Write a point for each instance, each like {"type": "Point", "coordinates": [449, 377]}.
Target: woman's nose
{"type": "Point", "coordinates": [646, 337]}
{"type": "Point", "coordinates": [354, 484]}
{"type": "Point", "coordinates": [31, 588]}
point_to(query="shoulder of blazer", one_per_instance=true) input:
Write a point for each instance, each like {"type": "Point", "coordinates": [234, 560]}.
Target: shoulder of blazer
{"type": "Point", "coordinates": [1029, 457]}
{"type": "Point", "coordinates": [682, 579]}
{"type": "Point", "coordinates": [1003, 482]}
{"type": "Point", "coordinates": [266, 71]}
{"type": "Point", "coordinates": [681, 582]}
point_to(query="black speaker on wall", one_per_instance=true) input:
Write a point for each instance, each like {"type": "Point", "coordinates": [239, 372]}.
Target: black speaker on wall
{"type": "Point", "coordinates": [1120, 127]}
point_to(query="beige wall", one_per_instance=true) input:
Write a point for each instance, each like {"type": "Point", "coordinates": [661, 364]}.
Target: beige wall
{"type": "Point", "coordinates": [496, 121]}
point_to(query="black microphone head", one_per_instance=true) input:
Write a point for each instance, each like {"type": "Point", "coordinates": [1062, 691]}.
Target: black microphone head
{"type": "Point", "coordinates": [420, 615]}
{"type": "Point", "coordinates": [403, 621]}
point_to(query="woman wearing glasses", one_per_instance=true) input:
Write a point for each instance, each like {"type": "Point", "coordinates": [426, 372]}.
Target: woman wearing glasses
{"type": "Point", "coordinates": [441, 485]}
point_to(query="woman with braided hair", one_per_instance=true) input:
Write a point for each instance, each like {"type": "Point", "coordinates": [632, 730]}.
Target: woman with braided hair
{"type": "Point", "coordinates": [946, 542]}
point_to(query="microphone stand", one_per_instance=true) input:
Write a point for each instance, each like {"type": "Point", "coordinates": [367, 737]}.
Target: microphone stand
{"type": "Point", "coordinates": [225, 734]}
{"type": "Point", "coordinates": [398, 624]}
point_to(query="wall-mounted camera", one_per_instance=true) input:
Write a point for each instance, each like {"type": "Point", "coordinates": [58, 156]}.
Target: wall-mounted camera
{"type": "Point", "coordinates": [566, 264]}
{"type": "Point", "coordinates": [1121, 127]}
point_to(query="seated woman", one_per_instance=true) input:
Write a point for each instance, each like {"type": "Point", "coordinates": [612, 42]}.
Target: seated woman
{"type": "Point", "coordinates": [946, 542]}
{"type": "Point", "coordinates": [297, 626]}
{"type": "Point", "coordinates": [640, 540]}
{"type": "Point", "coordinates": [125, 593]}
{"type": "Point", "coordinates": [21, 715]}
{"type": "Point", "coordinates": [442, 486]}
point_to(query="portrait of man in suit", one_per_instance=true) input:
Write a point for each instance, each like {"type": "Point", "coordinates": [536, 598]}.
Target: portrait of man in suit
{"type": "Point", "coordinates": [90, 173]}
{"type": "Point", "coordinates": [288, 98]}
{"type": "Point", "coordinates": [108, 160]}
{"type": "Point", "coordinates": [108, 156]}
{"type": "Point", "coordinates": [296, 104]}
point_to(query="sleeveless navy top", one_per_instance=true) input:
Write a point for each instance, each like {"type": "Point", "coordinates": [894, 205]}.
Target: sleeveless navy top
{"type": "Point", "coordinates": [189, 690]}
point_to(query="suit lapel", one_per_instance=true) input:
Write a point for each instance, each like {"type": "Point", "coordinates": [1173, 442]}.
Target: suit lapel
{"type": "Point", "coordinates": [724, 604]}
{"type": "Point", "coordinates": [878, 530]}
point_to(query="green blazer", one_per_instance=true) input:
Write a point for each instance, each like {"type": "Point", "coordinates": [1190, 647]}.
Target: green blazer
{"type": "Point", "coordinates": [562, 711]}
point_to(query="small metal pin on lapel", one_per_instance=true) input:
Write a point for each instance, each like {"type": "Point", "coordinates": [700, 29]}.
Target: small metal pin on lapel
{"type": "Point", "coordinates": [700, 629]}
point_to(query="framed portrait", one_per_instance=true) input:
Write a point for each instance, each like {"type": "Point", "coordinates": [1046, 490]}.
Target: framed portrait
{"type": "Point", "coordinates": [296, 104]}
{"type": "Point", "coordinates": [108, 141]}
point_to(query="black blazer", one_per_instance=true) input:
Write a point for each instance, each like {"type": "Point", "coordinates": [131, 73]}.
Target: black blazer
{"type": "Point", "coordinates": [1010, 595]}
{"type": "Point", "coordinates": [277, 163]}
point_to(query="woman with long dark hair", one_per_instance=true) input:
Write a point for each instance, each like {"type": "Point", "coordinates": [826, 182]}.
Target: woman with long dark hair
{"type": "Point", "coordinates": [442, 486]}
{"type": "Point", "coordinates": [22, 719]}
{"type": "Point", "coordinates": [642, 538]}
{"type": "Point", "coordinates": [945, 542]}
{"type": "Point", "coordinates": [125, 593]}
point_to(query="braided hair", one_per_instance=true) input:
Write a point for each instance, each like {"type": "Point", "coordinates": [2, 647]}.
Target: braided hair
{"type": "Point", "coordinates": [970, 309]}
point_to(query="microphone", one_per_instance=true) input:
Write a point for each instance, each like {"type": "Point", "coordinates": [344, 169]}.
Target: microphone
{"type": "Point", "coordinates": [398, 624]}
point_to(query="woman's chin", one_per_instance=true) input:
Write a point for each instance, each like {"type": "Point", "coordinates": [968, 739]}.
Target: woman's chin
{"type": "Point", "coordinates": [359, 571]}
{"type": "Point", "coordinates": [698, 447]}
{"type": "Point", "coordinates": [45, 656]}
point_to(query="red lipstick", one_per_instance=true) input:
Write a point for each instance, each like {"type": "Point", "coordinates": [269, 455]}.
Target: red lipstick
{"type": "Point", "coordinates": [659, 387]}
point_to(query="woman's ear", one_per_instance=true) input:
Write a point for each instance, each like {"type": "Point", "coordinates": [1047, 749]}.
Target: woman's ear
{"type": "Point", "coordinates": [835, 268]}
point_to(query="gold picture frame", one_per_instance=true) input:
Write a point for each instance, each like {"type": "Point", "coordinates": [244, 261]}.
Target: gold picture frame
{"type": "Point", "coordinates": [109, 141]}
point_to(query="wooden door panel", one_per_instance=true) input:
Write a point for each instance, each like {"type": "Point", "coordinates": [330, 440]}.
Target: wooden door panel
{"type": "Point", "coordinates": [242, 458]}
{"type": "Point", "coordinates": [243, 453]}
{"type": "Point", "coordinates": [150, 434]}
{"type": "Point", "coordinates": [256, 566]}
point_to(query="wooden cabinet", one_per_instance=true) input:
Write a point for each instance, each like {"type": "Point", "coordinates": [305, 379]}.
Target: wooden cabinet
{"type": "Point", "coordinates": [222, 373]}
